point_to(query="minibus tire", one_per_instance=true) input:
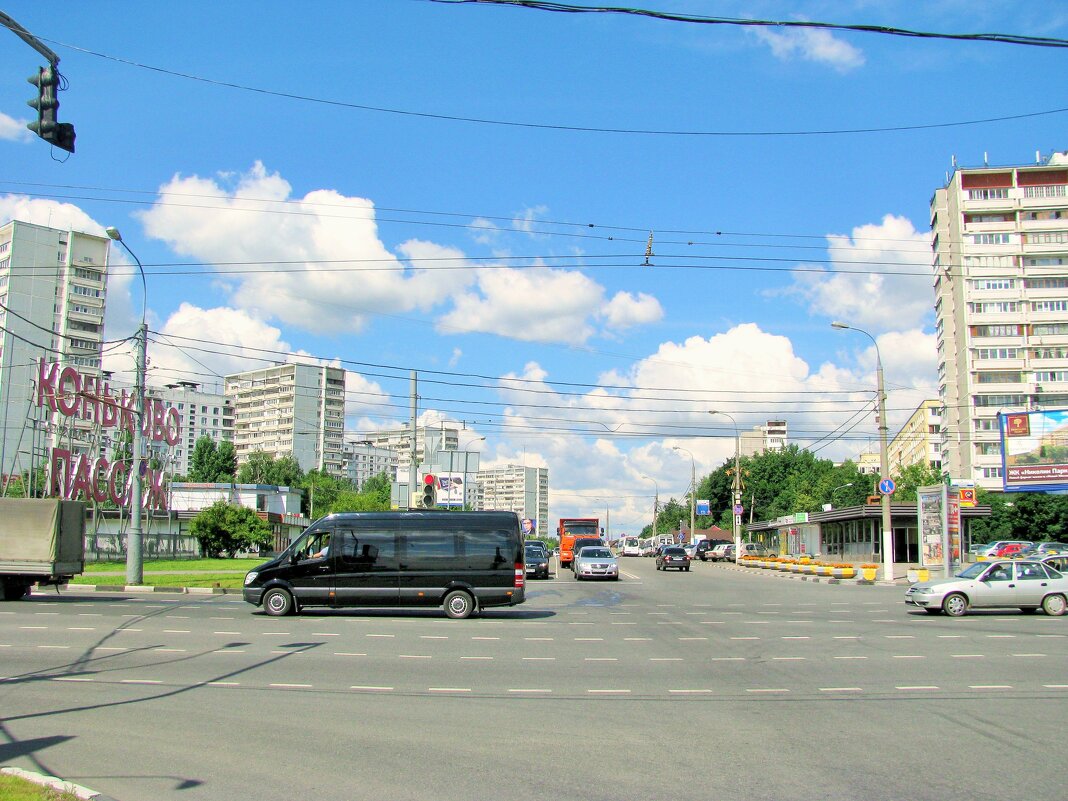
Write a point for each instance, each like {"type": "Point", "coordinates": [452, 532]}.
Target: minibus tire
{"type": "Point", "coordinates": [277, 602]}
{"type": "Point", "coordinates": [459, 604]}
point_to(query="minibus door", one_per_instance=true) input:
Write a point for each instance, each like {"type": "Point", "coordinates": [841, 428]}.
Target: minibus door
{"type": "Point", "coordinates": [366, 567]}
{"type": "Point", "coordinates": [311, 574]}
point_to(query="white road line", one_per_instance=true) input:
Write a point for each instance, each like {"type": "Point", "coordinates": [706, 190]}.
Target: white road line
{"type": "Point", "coordinates": [1056, 686]}
{"type": "Point", "coordinates": [788, 658]}
{"type": "Point", "coordinates": [42, 628]}
{"type": "Point", "coordinates": [841, 690]}
{"type": "Point", "coordinates": [1001, 636]}
{"type": "Point", "coordinates": [637, 639]}
{"type": "Point", "coordinates": [727, 659]}
{"type": "Point", "coordinates": [950, 636]}
{"type": "Point", "coordinates": [56, 647]}
{"type": "Point", "coordinates": [324, 634]}
{"type": "Point", "coordinates": [449, 689]}
{"type": "Point", "coordinates": [109, 648]}
{"type": "Point", "coordinates": [70, 678]}
{"type": "Point", "coordinates": [485, 638]}
{"type": "Point", "coordinates": [589, 639]}
{"type": "Point", "coordinates": [221, 618]}
{"type": "Point", "coordinates": [290, 686]}
{"type": "Point", "coordinates": [281, 634]}
{"type": "Point", "coordinates": [745, 638]}
{"type": "Point", "coordinates": [477, 657]}
{"type": "Point", "coordinates": [170, 650]}
{"type": "Point", "coordinates": [140, 681]}
{"type": "Point", "coordinates": [227, 632]}
{"type": "Point", "coordinates": [989, 686]}
{"type": "Point", "coordinates": [767, 690]}
{"type": "Point", "coordinates": [969, 656]}
{"type": "Point", "coordinates": [600, 659]}
{"type": "Point", "coordinates": [795, 637]}
{"type": "Point", "coordinates": [665, 659]}
{"type": "Point", "coordinates": [224, 684]}
{"type": "Point", "coordinates": [917, 687]}
{"type": "Point", "coordinates": [900, 636]}
{"type": "Point", "coordinates": [347, 653]}
{"type": "Point", "coordinates": [90, 614]}
{"type": "Point", "coordinates": [848, 637]}
{"type": "Point", "coordinates": [850, 657]}
{"type": "Point", "coordinates": [528, 690]}
{"type": "Point", "coordinates": [689, 692]}
{"type": "Point", "coordinates": [607, 692]}
{"type": "Point", "coordinates": [539, 658]}
{"type": "Point", "coordinates": [692, 639]}
{"type": "Point", "coordinates": [414, 656]}
{"type": "Point", "coordinates": [538, 639]}
{"type": "Point", "coordinates": [622, 623]}
{"type": "Point", "coordinates": [370, 687]}
{"type": "Point", "coordinates": [1028, 654]}
{"type": "Point", "coordinates": [81, 628]}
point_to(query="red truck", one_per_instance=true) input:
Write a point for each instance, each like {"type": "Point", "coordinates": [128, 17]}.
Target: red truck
{"type": "Point", "coordinates": [575, 527]}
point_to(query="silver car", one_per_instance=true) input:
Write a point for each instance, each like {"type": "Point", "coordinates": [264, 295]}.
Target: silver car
{"type": "Point", "coordinates": [1026, 584]}
{"type": "Point", "coordinates": [595, 561]}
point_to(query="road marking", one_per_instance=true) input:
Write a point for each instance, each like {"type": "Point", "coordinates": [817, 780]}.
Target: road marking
{"type": "Point", "coordinates": [324, 634]}
{"type": "Point", "coordinates": [109, 648]}
{"type": "Point", "coordinates": [220, 618]}
{"type": "Point", "coordinates": [380, 635]}
{"type": "Point", "coordinates": [347, 653]}
{"type": "Point", "coordinates": [1028, 654]}
{"type": "Point", "coordinates": [290, 686]}
{"type": "Point", "coordinates": [850, 657]}
{"type": "Point", "coordinates": [989, 686]}
{"type": "Point", "coordinates": [917, 687]}
{"type": "Point", "coordinates": [841, 690]}
{"type": "Point", "coordinates": [43, 628]}
{"type": "Point", "coordinates": [226, 632]}
{"type": "Point", "coordinates": [788, 659]}
{"type": "Point", "coordinates": [538, 639]}
{"type": "Point", "coordinates": [589, 639]}
{"type": "Point", "coordinates": [637, 639]}
{"type": "Point", "coordinates": [283, 634]}
{"type": "Point", "coordinates": [70, 678]}
{"type": "Point", "coordinates": [414, 656]}
{"type": "Point", "coordinates": [900, 636]}
{"type": "Point", "coordinates": [794, 637]}
{"type": "Point", "coordinates": [608, 692]}
{"type": "Point", "coordinates": [476, 657]}
{"type": "Point", "coordinates": [369, 687]}
{"type": "Point", "coordinates": [224, 684]}
{"type": "Point", "coordinates": [907, 656]}
{"type": "Point", "coordinates": [600, 659]}
{"type": "Point", "coordinates": [768, 690]}
{"type": "Point", "coordinates": [950, 636]}
{"type": "Point", "coordinates": [58, 647]}
{"type": "Point", "coordinates": [622, 622]}
{"type": "Point", "coordinates": [170, 650]}
{"type": "Point", "coordinates": [539, 658]}
{"type": "Point", "coordinates": [485, 638]}
{"type": "Point", "coordinates": [745, 638]}
{"type": "Point", "coordinates": [449, 689]}
{"type": "Point", "coordinates": [528, 690]}
{"type": "Point", "coordinates": [1056, 686]}
{"type": "Point", "coordinates": [969, 656]}
{"type": "Point", "coordinates": [1002, 636]}
{"type": "Point", "coordinates": [692, 639]}
{"type": "Point", "coordinates": [727, 659]}
{"type": "Point", "coordinates": [140, 681]}
{"type": "Point", "coordinates": [665, 659]}
{"type": "Point", "coordinates": [848, 637]}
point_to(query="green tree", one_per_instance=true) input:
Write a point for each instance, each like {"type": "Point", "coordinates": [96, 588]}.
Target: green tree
{"type": "Point", "coordinates": [225, 528]}
{"type": "Point", "coordinates": [910, 478]}
{"type": "Point", "coordinates": [262, 468]}
{"type": "Point", "coordinates": [212, 462]}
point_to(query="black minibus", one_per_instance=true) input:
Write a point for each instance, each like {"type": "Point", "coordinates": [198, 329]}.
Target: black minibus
{"type": "Point", "coordinates": [463, 561]}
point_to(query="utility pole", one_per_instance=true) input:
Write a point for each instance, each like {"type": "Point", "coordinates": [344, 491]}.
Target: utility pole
{"type": "Point", "coordinates": [412, 459]}
{"type": "Point", "coordinates": [134, 550]}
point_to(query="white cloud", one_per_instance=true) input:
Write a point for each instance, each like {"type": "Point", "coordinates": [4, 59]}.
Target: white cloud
{"type": "Point", "coordinates": [48, 213]}
{"type": "Point", "coordinates": [811, 44]}
{"type": "Point", "coordinates": [525, 220]}
{"type": "Point", "coordinates": [865, 291]}
{"type": "Point", "coordinates": [626, 310]}
{"type": "Point", "coordinates": [295, 260]}
{"type": "Point", "coordinates": [13, 130]}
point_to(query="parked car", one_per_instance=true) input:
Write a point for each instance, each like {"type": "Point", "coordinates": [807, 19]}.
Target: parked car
{"type": "Point", "coordinates": [673, 556]}
{"type": "Point", "coordinates": [1057, 561]}
{"type": "Point", "coordinates": [1040, 549]}
{"type": "Point", "coordinates": [537, 559]}
{"type": "Point", "coordinates": [991, 550]}
{"type": "Point", "coordinates": [690, 549]}
{"type": "Point", "coordinates": [1026, 584]}
{"type": "Point", "coordinates": [596, 562]}
{"type": "Point", "coordinates": [704, 548]}
{"type": "Point", "coordinates": [1010, 548]}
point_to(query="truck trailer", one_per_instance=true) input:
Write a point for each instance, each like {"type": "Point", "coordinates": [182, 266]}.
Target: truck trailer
{"type": "Point", "coordinates": [42, 541]}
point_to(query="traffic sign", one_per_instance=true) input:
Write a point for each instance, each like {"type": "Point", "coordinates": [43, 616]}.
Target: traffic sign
{"type": "Point", "coordinates": [887, 486]}
{"type": "Point", "coordinates": [738, 508]}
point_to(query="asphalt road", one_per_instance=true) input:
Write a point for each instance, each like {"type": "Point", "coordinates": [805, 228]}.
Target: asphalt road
{"type": "Point", "coordinates": [719, 683]}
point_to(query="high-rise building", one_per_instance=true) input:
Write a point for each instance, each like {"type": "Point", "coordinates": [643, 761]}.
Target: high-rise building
{"type": "Point", "coordinates": [293, 410]}
{"type": "Point", "coordinates": [771, 436]}
{"type": "Point", "coordinates": [203, 414]}
{"type": "Point", "coordinates": [514, 488]}
{"type": "Point", "coordinates": [1000, 242]}
{"type": "Point", "coordinates": [920, 439]}
{"type": "Point", "coordinates": [53, 284]}
{"type": "Point", "coordinates": [362, 461]}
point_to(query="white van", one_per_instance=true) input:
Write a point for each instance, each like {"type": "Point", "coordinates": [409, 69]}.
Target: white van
{"type": "Point", "coordinates": [631, 547]}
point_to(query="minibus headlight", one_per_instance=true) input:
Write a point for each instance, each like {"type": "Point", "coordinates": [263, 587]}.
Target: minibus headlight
{"type": "Point", "coordinates": [250, 577]}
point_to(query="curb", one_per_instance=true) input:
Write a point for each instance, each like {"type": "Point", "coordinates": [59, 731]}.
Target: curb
{"type": "Point", "coordinates": [56, 784]}
{"type": "Point", "coordinates": [857, 582]}
{"type": "Point", "coordinates": [148, 589]}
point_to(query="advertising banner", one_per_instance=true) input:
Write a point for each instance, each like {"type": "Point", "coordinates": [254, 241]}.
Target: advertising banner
{"type": "Point", "coordinates": [451, 489]}
{"type": "Point", "coordinates": [931, 516]}
{"type": "Point", "coordinates": [1034, 450]}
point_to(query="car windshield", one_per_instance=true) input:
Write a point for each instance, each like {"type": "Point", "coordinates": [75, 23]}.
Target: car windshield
{"type": "Point", "coordinates": [674, 552]}
{"type": "Point", "coordinates": [973, 571]}
{"type": "Point", "coordinates": [596, 553]}
{"type": "Point", "coordinates": [535, 552]}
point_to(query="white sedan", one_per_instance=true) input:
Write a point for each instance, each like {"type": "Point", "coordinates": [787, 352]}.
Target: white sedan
{"type": "Point", "coordinates": [1025, 584]}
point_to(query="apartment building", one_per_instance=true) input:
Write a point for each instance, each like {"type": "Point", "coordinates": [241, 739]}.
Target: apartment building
{"type": "Point", "coordinates": [53, 285]}
{"type": "Point", "coordinates": [429, 440]}
{"type": "Point", "coordinates": [362, 460]}
{"type": "Point", "coordinates": [203, 414]}
{"type": "Point", "coordinates": [920, 439]}
{"type": "Point", "coordinates": [771, 436]}
{"type": "Point", "coordinates": [1000, 273]}
{"type": "Point", "coordinates": [514, 488]}
{"type": "Point", "coordinates": [293, 410]}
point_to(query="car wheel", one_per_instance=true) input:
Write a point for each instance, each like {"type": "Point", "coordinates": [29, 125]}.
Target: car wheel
{"type": "Point", "coordinates": [277, 602]}
{"type": "Point", "coordinates": [459, 604]}
{"type": "Point", "coordinates": [955, 604]}
{"type": "Point", "coordinates": [687, 568]}
{"type": "Point", "coordinates": [1054, 605]}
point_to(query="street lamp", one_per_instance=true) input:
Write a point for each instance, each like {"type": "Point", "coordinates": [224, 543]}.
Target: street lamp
{"type": "Point", "coordinates": [693, 489]}
{"type": "Point", "coordinates": [134, 549]}
{"type": "Point", "coordinates": [656, 500]}
{"type": "Point", "coordinates": [736, 486]}
{"type": "Point", "coordinates": [884, 468]}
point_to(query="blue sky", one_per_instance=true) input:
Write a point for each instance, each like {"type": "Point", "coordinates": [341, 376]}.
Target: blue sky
{"type": "Point", "coordinates": [308, 182]}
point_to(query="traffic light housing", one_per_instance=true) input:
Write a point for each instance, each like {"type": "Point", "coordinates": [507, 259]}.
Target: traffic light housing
{"type": "Point", "coordinates": [429, 497]}
{"type": "Point", "coordinates": [46, 126]}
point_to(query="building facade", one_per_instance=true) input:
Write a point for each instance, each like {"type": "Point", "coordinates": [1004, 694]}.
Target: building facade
{"type": "Point", "coordinates": [53, 286]}
{"type": "Point", "coordinates": [920, 439]}
{"type": "Point", "coordinates": [293, 410]}
{"type": "Point", "coordinates": [1000, 272]}
{"type": "Point", "coordinates": [514, 488]}
{"type": "Point", "coordinates": [203, 414]}
{"type": "Point", "coordinates": [771, 436]}
{"type": "Point", "coordinates": [362, 460]}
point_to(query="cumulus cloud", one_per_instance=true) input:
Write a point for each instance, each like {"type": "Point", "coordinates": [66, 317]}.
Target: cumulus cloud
{"type": "Point", "coordinates": [48, 213]}
{"type": "Point", "coordinates": [12, 130]}
{"type": "Point", "coordinates": [626, 310]}
{"type": "Point", "coordinates": [811, 44]}
{"type": "Point", "coordinates": [868, 289]}
{"type": "Point", "coordinates": [294, 259]}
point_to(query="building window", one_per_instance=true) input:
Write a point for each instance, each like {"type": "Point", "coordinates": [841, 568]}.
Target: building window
{"type": "Point", "coordinates": [1052, 190]}
{"type": "Point", "coordinates": [1046, 283]}
{"type": "Point", "coordinates": [998, 377]}
{"type": "Point", "coordinates": [1049, 376]}
{"type": "Point", "coordinates": [993, 283]}
{"type": "Point", "coordinates": [1045, 329]}
{"type": "Point", "coordinates": [988, 194]}
{"type": "Point", "coordinates": [996, 330]}
{"type": "Point", "coordinates": [991, 239]}
{"type": "Point", "coordinates": [997, 353]}
{"type": "Point", "coordinates": [1049, 353]}
{"type": "Point", "coordinates": [994, 307]}
{"type": "Point", "coordinates": [1045, 237]}
{"type": "Point", "coordinates": [1049, 305]}
{"type": "Point", "coordinates": [991, 472]}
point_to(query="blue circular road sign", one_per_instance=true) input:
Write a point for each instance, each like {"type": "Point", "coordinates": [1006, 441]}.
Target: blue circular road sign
{"type": "Point", "coordinates": [887, 486]}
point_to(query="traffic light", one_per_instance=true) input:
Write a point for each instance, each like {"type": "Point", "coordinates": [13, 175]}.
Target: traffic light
{"type": "Point", "coordinates": [429, 498]}
{"type": "Point", "coordinates": [60, 134]}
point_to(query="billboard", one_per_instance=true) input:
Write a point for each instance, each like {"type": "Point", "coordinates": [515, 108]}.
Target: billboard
{"type": "Point", "coordinates": [1034, 450]}
{"type": "Point", "coordinates": [938, 514]}
{"type": "Point", "coordinates": [451, 489]}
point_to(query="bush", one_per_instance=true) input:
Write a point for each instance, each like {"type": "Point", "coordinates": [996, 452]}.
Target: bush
{"type": "Point", "coordinates": [224, 528]}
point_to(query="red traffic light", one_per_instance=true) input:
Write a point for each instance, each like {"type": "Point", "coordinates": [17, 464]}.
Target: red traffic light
{"type": "Point", "coordinates": [428, 479]}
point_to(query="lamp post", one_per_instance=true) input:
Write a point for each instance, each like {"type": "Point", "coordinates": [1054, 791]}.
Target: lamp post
{"type": "Point", "coordinates": [736, 486]}
{"type": "Point", "coordinates": [656, 500]}
{"type": "Point", "coordinates": [840, 486]}
{"type": "Point", "coordinates": [463, 499]}
{"type": "Point", "coordinates": [693, 488]}
{"type": "Point", "coordinates": [134, 549]}
{"type": "Point", "coordinates": [884, 468]}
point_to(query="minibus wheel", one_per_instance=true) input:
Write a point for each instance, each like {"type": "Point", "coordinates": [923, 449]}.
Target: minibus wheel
{"type": "Point", "coordinates": [277, 602]}
{"type": "Point", "coordinates": [459, 604]}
